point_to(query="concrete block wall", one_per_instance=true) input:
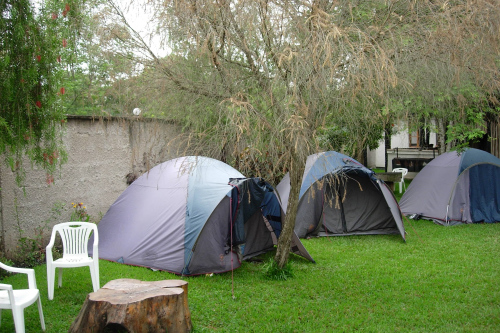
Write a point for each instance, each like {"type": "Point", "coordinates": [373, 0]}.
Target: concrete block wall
{"type": "Point", "coordinates": [101, 153]}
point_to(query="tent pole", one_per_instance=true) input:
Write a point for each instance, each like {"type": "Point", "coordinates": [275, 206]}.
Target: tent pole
{"type": "Point", "coordinates": [231, 247]}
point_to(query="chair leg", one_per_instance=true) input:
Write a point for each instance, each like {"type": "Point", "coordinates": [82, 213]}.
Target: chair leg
{"type": "Point", "coordinates": [40, 313]}
{"type": "Point", "coordinates": [18, 315]}
{"type": "Point", "coordinates": [50, 281]}
{"type": "Point", "coordinates": [400, 187]}
{"type": "Point", "coordinates": [96, 265]}
{"type": "Point", "coordinates": [94, 274]}
{"type": "Point", "coordinates": [60, 277]}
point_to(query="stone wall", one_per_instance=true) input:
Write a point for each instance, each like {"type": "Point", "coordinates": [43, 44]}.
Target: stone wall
{"type": "Point", "coordinates": [101, 154]}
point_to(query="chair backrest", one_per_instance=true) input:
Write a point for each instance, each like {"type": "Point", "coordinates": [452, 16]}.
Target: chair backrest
{"type": "Point", "coordinates": [75, 237]}
{"type": "Point", "coordinates": [30, 272]}
{"type": "Point", "coordinates": [403, 171]}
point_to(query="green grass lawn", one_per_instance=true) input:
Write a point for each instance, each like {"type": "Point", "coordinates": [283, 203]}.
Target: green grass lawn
{"type": "Point", "coordinates": [443, 279]}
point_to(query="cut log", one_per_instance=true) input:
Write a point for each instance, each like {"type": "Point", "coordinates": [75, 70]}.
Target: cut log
{"type": "Point", "coordinates": [135, 306]}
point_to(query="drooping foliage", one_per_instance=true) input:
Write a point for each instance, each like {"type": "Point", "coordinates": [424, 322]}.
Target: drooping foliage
{"type": "Point", "coordinates": [31, 116]}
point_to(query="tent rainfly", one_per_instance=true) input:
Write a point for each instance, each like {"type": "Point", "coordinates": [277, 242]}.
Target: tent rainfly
{"type": "Point", "coordinates": [340, 197]}
{"type": "Point", "coordinates": [456, 188]}
{"type": "Point", "coordinates": [192, 215]}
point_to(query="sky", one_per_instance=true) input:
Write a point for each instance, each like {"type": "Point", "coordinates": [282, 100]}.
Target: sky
{"type": "Point", "coordinates": [139, 19]}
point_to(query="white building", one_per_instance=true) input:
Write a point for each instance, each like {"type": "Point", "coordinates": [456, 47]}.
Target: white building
{"type": "Point", "coordinates": [408, 150]}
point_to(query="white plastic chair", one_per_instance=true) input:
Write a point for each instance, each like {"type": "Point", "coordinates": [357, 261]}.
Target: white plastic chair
{"type": "Point", "coordinates": [18, 299]}
{"type": "Point", "coordinates": [75, 237]}
{"type": "Point", "coordinates": [404, 172]}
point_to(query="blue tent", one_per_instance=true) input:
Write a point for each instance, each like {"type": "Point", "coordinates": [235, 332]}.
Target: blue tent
{"type": "Point", "coordinates": [456, 188]}
{"type": "Point", "coordinates": [340, 197]}
{"type": "Point", "coordinates": [192, 215]}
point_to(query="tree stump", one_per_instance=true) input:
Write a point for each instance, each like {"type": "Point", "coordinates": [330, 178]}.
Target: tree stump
{"type": "Point", "coordinates": [137, 307]}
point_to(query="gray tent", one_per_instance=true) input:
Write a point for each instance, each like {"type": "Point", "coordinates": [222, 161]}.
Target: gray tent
{"type": "Point", "coordinates": [339, 197]}
{"type": "Point", "coordinates": [192, 215]}
{"type": "Point", "coordinates": [456, 188]}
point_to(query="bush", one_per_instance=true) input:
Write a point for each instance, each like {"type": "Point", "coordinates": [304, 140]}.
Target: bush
{"type": "Point", "coordinates": [4, 260]}
{"type": "Point", "coordinates": [30, 252]}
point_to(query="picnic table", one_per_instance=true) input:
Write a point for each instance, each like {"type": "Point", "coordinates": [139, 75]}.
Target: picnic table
{"type": "Point", "coordinates": [389, 178]}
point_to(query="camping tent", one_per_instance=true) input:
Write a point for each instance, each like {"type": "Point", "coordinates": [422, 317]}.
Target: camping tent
{"type": "Point", "coordinates": [183, 216]}
{"type": "Point", "coordinates": [456, 188]}
{"type": "Point", "coordinates": [339, 196]}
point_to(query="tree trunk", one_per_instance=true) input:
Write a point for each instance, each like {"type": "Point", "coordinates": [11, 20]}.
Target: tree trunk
{"type": "Point", "coordinates": [450, 144]}
{"type": "Point", "coordinates": [387, 144]}
{"type": "Point", "coordinates": [136, 306]}
{"type": "Point", "coordinates": [296, 173]}
{"type": "Point", "coordinates": [441, 136]}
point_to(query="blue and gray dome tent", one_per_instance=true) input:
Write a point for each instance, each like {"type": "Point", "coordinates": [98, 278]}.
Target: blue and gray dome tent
{"type": "Point", "coordinates": [192, 215]}
{"type": "Point", "coordinates": [340, 197]}
{"type": "Point", "coordinates": [456, 188]}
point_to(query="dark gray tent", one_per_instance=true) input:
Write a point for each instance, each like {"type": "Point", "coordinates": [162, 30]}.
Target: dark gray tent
{"type": "Point", "coordinates": [456, 188]}
{"type": "Point", "coordinates": [192, 215]}
{"type": "Point", "coordinates": [339, 197]}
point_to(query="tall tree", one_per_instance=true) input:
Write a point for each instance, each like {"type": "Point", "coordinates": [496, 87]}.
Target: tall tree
{"type": "Point", "coordinates": [97, 81]}
{"type": "Point", "coordinates": [260, 77]}
{"type": "Point", "coordinates": [271, 71]}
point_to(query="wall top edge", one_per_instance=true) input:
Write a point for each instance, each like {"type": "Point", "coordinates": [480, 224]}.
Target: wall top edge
{"type": "Point", "coordinates": [120, 118]}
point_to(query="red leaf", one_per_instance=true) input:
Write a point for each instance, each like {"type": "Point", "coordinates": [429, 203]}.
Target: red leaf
{"type": "Point", "coordinates": [64, 43]}
{"type": "Point", "coordinates": [39, 104]}
{"type": "Point", "coordinates": [66, 8]}
{"type": "Point", "coordinates": [54, 16]}
{"type": "Point", "coordinates": [62, 90]}
{"type": "Point", "coordinates": [64, 13]}
{"type": "Point", "coordinates": [39, 58]}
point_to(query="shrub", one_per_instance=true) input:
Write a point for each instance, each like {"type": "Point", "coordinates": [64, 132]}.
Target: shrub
{"type": "Point", "coordinates": [30, 252]}
{"type": "Point", "coordinates": [4, 260]}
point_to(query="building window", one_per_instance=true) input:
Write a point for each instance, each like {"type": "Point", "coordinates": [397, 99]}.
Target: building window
{"type": "Point", "coordinates": [419, 138]}
{"type": "Point", "coordinates": [415, 139]}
